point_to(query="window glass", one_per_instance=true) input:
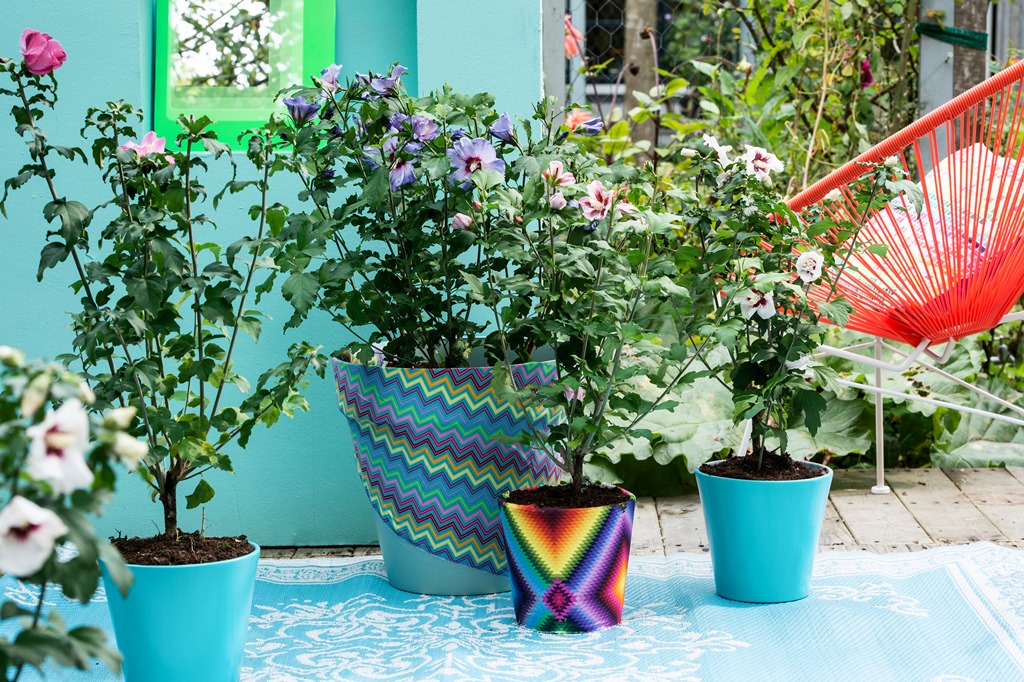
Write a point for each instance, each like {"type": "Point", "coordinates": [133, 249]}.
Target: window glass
{"type": "Point", "coordinates": [228, 59]}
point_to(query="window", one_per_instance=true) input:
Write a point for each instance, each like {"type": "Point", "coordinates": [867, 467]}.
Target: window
{"type": "Point", "coordinates": [228, 59]}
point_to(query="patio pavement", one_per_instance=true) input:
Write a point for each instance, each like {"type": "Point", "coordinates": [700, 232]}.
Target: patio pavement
{"type": "Point", "coordinates": [927, 508]}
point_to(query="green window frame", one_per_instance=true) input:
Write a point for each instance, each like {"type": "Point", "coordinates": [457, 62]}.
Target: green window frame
{"type": "Point", "coordinates": [306, 47]}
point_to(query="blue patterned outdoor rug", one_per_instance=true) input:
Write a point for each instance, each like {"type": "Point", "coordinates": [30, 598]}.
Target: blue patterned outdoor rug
{"type": "Point", "coordinates": [949, 614]}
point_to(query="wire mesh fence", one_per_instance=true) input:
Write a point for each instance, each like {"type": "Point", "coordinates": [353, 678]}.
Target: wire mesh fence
{"type": "Point", "coordinates": [684, 30]}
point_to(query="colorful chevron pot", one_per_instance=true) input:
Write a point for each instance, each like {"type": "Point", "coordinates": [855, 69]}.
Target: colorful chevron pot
{"type": "Point", "coordinates": [568, 566]}
{"type": "Point", "coordinates": [763, 534]}
{"type": "Point", "coordinates": [435, 451]}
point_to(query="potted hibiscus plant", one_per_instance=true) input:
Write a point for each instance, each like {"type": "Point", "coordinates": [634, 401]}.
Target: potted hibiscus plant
{"type": "Point", "coordinates": [586, 262]}
{"type": "Point", "coordinates": [382, 249]}
{"type": "Point", "coordinates": [778, 273]}
{"type": "Point", "coordinates": [56, 468]}
{"type": "Point", "coordinates": [163, 310]}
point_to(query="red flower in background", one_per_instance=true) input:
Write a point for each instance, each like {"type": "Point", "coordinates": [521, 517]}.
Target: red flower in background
{"type": "Point", "coordinates": [573, 38]}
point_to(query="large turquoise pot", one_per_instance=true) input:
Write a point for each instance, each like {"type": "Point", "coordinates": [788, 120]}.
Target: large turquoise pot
{"type": "Point", "coordinates": [184, 622]}
{"type": "Point", "coordinates": [764, 534]}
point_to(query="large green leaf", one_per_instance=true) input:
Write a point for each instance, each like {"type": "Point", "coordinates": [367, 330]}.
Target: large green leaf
{"type": "Point", "coordinates": [971, 440]}
{"type": "Point", "coordinates": [845, 428]}
{"type": "Point", "coordinates": [698, 428]}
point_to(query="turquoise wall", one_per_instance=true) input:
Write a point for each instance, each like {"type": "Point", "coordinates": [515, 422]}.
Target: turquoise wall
{"type": "Point", "coordinates": [297, 483]}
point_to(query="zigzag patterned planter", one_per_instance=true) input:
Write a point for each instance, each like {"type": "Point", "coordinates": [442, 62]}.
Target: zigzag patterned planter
{"type": "Point", "coordinates": [435, 454]}
{"type": "Point", "coordinates": [568, 566]}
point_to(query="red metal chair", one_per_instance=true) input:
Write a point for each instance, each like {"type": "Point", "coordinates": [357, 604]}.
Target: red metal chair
{"type": "Point", "coordinates": [954, 267]}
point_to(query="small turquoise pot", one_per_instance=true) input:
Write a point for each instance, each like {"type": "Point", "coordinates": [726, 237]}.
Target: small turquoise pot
{"type": "Point", "coordinates": [184, 622]}
{"type": "Point", "coordinates": [764, 534]}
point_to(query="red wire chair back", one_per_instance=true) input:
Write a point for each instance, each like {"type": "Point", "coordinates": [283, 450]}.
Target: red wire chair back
{"type": "Point", "coordinates": [955, 266]}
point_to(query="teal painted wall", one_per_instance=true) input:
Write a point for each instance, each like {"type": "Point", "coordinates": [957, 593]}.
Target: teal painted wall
{"type": "Point", "coordinates": [296, 483]}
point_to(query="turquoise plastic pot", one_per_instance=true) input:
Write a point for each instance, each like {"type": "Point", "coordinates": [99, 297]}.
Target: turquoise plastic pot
{"type": "Point", "coordinates": [184, 622]}
{"type": "Point", "coordinates": [763, 534]}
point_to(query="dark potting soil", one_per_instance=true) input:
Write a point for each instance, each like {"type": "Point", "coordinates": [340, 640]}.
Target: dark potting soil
{"type": "Point", "coordinates": [564, 497]}
{"type": "Point", "coordinates": [186, 548]}
{"type": "Point", "coordinates": [773, 468]}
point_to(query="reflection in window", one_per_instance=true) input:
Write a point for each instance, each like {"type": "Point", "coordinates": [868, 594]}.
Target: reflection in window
{"type": "Point", "coordinates": [224, 42]}
{"type": "Point", "coordinates": [228, 59]}
{"type": "Point", "coordinates": [231, 53]}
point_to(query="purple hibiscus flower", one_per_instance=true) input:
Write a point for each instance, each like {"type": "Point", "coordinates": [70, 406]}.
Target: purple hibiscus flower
{"type": "Point", "coordinates": [329, 77]}
{"type": "Point", "coordinates": [401, 169]}
{"type": "Point", "coordinates": [387, 86]}
{"type": "Point", "coordinates": [503, 129]}
{"type": "Point", "coordinates": [423, 129]}
{"type": "Point", "coordinates": [592, 127]}
{"type": "Point", "coordinates": [402, 173]}
{"type": "Point", "coordinates": [301, 111]}
{"type": "Point", "coordinates": [468, 156]}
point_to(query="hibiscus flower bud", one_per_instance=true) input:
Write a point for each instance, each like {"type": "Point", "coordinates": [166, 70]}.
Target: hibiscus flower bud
{"type": "Point", "coordinates": [85, 393]}
{"type": "Point", "coordinates": [120, 418]}
{"type": "Point", "coordinates": [462, 222]}
{"type": "Point", "coordinates": [130, 450]}
{"type": "Point", "coordinates": [35, 395]}
{"type": "Point", "coordinates": [42, 53]}
{"type": "Point", "coordinates": [557, 201]}
{"type": "Point", "coordinates": [11, 357]}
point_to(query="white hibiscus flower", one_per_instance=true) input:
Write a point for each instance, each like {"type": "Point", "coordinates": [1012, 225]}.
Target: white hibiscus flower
{"type": "Point", "coordinates": [721, 150]}
{"type": "Point", "coordinates": [57, 452]}
{"type": "Point", "coordinates": [757, 303]}
{"type": "Point", "coordinates": [808, 266]}
{"type": "Point", "coordinates": [761, 163]}
{"type": "Point", "coordinates": [27, 536]}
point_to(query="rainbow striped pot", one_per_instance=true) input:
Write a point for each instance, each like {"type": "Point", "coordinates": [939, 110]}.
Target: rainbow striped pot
{"type": "Point", "coordinates": [436, 449]}
{"type": "Point", "coordinates": [568, 566]}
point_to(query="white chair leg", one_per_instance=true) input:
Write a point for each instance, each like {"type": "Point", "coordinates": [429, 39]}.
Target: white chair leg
{"type": "Point", "coordinates": [880, 488]}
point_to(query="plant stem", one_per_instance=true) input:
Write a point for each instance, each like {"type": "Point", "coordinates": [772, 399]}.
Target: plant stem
{"type": "Point", "coordinates": [196, 302]}
{"type": "Point", "coordinates": [35, 622]}
{"type": "Point", "coordinates": [264, 187]}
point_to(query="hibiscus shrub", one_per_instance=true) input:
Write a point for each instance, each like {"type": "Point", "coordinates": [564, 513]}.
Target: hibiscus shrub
{"type": "Point", "coordinates": [56, 468]}
{"type": "Point", "coordinates": [391, 181]}
{"type": "Point", "coordinates": [766, 260]}
{"type": "Point", "coordinates": [588, 260]}
{"type": "Point", "coordinates": [163, 302]}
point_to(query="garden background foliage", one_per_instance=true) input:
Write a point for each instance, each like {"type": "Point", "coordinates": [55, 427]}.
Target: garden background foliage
{"type": "Point", "coordinates": [816, 84]}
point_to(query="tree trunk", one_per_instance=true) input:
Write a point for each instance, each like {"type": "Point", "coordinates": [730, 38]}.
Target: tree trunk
{"type": "Point", "coordinates": [970, 66]}
{"type": "Point", "coordinates": [639, 60]}
{"type": "Point", "coordinates": [169, 500]}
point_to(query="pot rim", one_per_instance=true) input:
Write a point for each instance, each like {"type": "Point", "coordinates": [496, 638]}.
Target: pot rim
{"type": "Point", "coordinates": [531, 363]}
{"type": "Point", "coordinates": [805, 481]}
{"type": "Point", "coordinates": [503, 498]}
{"type": "Point", "coordinates": [222, 562]}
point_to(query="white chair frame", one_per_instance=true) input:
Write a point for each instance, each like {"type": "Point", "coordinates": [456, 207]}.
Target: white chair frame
{"type": "Point", "coordinates": [909, 358]}
{"type": "Point", "coordinates": [915, 356]}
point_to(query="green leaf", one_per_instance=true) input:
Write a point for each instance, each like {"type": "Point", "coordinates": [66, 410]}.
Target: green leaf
{"type": "Point", "coordinates": [195, 450]}
{"type": "Point", "coordinates": [300, 290]}
{"type": "Point", "coordinates": [116, 567]}
{"type": "Point", "coordinates": [74, 217]}
{"type": "Point", "coordinates": [53, 253]}
{"type": "Point", "coordinates": [845, 429]}
{"type": "Point", "coordinates": [201, 495]}
{"type": "Point", "coordinates": [811, 404]}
